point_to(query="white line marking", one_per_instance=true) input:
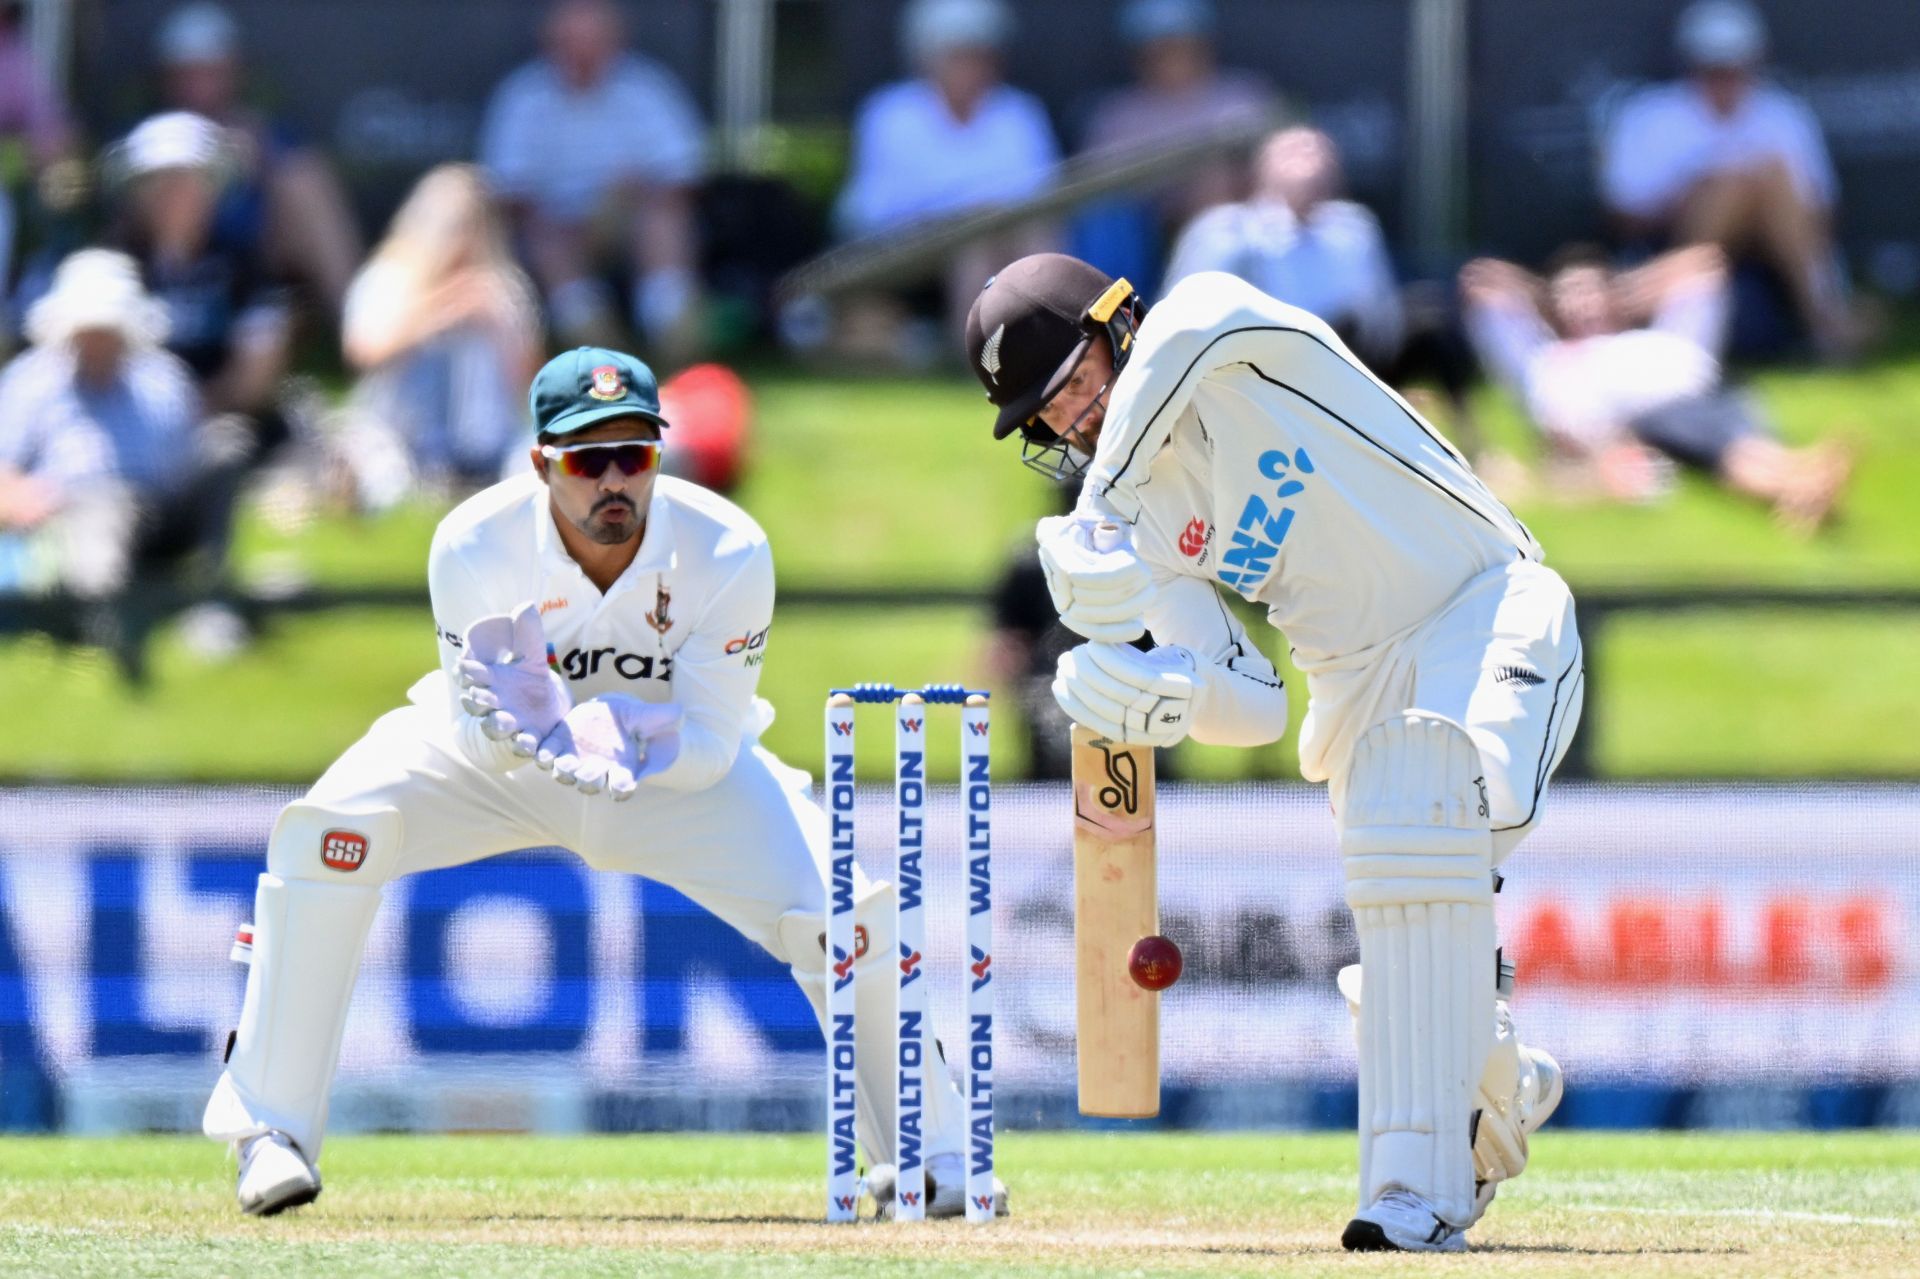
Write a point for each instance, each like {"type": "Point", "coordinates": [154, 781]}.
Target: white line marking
{"type": "Point", "coordinates": [1758, 1214]}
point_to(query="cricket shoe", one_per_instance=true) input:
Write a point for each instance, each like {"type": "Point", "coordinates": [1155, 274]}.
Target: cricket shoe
{"type": "Point", "coordinates": [946, 1189]}
{"type": "Point", "coordinates": [274, 1175]}
{"type": "Point", "coordinates": [1401, 1221]}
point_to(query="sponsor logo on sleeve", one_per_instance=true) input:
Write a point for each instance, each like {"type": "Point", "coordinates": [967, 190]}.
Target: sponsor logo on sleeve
{"type": "Point", "coordinates": [343, 850]}
{"type": "Point", "coordinates": [753, 644]}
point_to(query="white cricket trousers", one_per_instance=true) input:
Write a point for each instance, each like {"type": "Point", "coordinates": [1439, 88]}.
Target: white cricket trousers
{"type": "Point", "coordinates": [1502, 658]}
{"type": "Point", "coordinates": [749, 848]}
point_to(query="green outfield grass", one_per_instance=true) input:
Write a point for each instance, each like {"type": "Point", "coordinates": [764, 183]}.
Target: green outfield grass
{"type": "Point", "coordinates": [891, 482]}
{"type": "Point", "coordinates": [1630, 1206]}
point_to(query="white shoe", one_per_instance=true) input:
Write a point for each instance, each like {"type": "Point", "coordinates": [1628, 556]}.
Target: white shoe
{"type": "Point", "coordinates": [275, 1176]}
{"type": "Point", "coordinates": [946, 1189]}
{"type": "Point", "coordinates": [1401, 1221]}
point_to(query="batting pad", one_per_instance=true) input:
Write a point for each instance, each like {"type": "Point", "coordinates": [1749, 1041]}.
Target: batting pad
{"type": "Point", "coordinates": [876, 1010]}
{"type": "Point", "coordinates": [1418, 854]}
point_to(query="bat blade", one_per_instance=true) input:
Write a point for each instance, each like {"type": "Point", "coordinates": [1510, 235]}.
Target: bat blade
{"type": "Point", "coordinates": [1116, 902]}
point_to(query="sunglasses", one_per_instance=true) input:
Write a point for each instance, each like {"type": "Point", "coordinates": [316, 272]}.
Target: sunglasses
{"type": "Point", "coordinates": [590, 461]}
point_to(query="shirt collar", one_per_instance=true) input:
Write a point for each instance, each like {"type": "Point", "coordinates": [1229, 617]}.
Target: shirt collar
{"type": "Point", "coordinates": [657, 545]}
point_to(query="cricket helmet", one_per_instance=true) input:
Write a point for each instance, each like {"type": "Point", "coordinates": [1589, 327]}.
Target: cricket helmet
{"type": "Point", "coordinates": [1031, 324]}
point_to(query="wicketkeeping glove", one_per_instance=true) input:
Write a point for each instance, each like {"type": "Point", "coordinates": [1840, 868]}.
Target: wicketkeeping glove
{"type": "Point", "coordinates": [1140, 698]}
{"type": "Point", "coordinates": [610, 743]}
{"type": "Point", "coordinates": [1100, 588]}
{"type": "Point", "coordinates": [505, 681]}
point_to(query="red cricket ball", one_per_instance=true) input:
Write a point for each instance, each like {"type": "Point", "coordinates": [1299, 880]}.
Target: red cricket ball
{"type": "Point", "coordinates": [1154, 963]}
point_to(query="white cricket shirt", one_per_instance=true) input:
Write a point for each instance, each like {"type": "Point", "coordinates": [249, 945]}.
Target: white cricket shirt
{"type": "Point", "coordinates": [687, 622]}
{"type": "Point", "coordinates": [1249, 449]}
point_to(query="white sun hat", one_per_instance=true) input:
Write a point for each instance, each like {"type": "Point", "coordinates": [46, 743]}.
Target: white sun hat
{"type": "Point", "coordinates": [97, 289]}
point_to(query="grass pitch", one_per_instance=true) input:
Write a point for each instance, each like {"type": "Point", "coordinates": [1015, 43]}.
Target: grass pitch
{"type": "Point", "coordinates": [1104, 1205]}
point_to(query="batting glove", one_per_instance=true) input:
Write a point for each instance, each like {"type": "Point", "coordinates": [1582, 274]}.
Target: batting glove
{"type": "Point", "coordinates": [1100, 588]}
{"type": "Point", "coordinates": [1140, 698]}
{"type": "Point", "coordinates": [611, 743]}
{"type": "Point", "coordinates": [505, 682]}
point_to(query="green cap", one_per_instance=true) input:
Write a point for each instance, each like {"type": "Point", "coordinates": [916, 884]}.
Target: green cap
{"type": "Point", "coordinates": [590, 384]}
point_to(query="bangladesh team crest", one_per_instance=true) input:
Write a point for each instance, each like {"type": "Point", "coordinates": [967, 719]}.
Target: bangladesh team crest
{"type": "Point", "coordinates": [607, 383]}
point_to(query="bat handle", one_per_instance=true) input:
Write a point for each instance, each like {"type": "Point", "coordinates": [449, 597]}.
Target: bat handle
{"type": "Point", "coordinates": [1107, 536]}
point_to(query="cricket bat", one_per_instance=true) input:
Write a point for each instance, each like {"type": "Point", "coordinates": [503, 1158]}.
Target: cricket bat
{"type": "Point", "coordinates": [1115, 904]}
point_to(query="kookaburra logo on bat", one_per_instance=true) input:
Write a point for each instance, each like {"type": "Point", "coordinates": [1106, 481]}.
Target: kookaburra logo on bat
{"type": "Point", "coordinates": [1123, 771]}
{"type": "Point", "coordinates": [1113, 806]}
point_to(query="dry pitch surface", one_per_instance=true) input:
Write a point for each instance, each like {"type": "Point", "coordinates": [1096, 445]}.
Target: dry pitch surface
{"type": "Point", "coordinates": [1105, 1205]}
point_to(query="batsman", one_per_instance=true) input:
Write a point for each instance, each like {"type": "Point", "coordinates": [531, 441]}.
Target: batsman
{"type": "Point", "coordinates": [1227, 440]}
{"type": "Point", "coordinates": [601, 631]}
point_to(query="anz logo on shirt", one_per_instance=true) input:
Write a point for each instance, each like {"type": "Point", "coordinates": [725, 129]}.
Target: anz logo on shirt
{"type": "Point", "coordinates": [1264, 522]}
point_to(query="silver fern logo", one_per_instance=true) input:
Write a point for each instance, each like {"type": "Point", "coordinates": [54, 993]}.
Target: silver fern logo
{"type": "Point", "coordinates": [990, 353]}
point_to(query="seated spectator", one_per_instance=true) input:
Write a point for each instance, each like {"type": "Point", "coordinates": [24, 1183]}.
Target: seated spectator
{"type": "Point", "coordinates": [1618, 371]}
{"type": "Point", "coordinates": [955, 138]}
{"type": "Point", "coordinates": [1300, 240]}
{"type": "Point", "coordinates": [226, 318]}
{"type": "Point", "coordinates": [105, 467]}
{"type": "Point", "coordinates": [1179, 91]}
{"type": "Point", "coordinates": [36, 143]}
{"type": "Point", "coordinates": [444, 329]}
{"type": "Point", "coordinates": [281, 192]}
{"type": "Point", "coordinates": [1725, 156]}
{"type": "Point", "coordinates": [595, 152]}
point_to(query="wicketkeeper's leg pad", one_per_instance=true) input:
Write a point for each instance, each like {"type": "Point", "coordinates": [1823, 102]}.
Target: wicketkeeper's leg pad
{"type": "Point", "coordinates": [1418, 852]}
{"type": "Point", "coordinates": [802, 937]}
{"type": "Point", "coordinates": [307, 939]}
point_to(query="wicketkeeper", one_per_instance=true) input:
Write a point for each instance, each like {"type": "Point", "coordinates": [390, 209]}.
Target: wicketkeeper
{"type": "Point", "coordinates": [1228, 439]}
{"type": "Point", "coordinates": [601, 633]}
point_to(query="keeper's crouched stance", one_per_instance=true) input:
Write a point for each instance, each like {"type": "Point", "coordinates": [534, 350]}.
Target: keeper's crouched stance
{"type": "Point", "coordinates": [601, 632]}
{"type": "Point", "coordinates": [1227, 440]}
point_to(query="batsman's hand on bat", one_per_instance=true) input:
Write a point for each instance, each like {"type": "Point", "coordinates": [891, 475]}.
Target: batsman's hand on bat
{"type": "Point", "coordinates": [611, 743]}
{"type": "Point", "coordinates": [1140, 698]}
{"type": "Point", "coordinates": [1100, 588]}
{"type": "Point", "coordinates": [505, 682]}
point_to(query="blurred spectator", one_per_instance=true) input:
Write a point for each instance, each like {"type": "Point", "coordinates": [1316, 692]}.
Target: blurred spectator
{"type": "Point", "coordinates": [1298, 239]}
{"type": "Point", "coordinates": [1620, 370]}
{"type": "Point", "coordinates": [226, 318]}
{"type": "Point", "coordinates": [1725, 156]}
{"type": "Point", "coordinates": [104, 465]}
{"type": "Point", "coordinates": [1179, 91]}
{"type": "Point", "coordinates": [444, 329]}
{"type": "Point", "coordinates": [596, 152]}
{"type": "Point", "coordinates": [955, 138]}
{"type": "Point", "coordinates": [36, 139]}
{"type": "Point", "coordinates": [281, 193]}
